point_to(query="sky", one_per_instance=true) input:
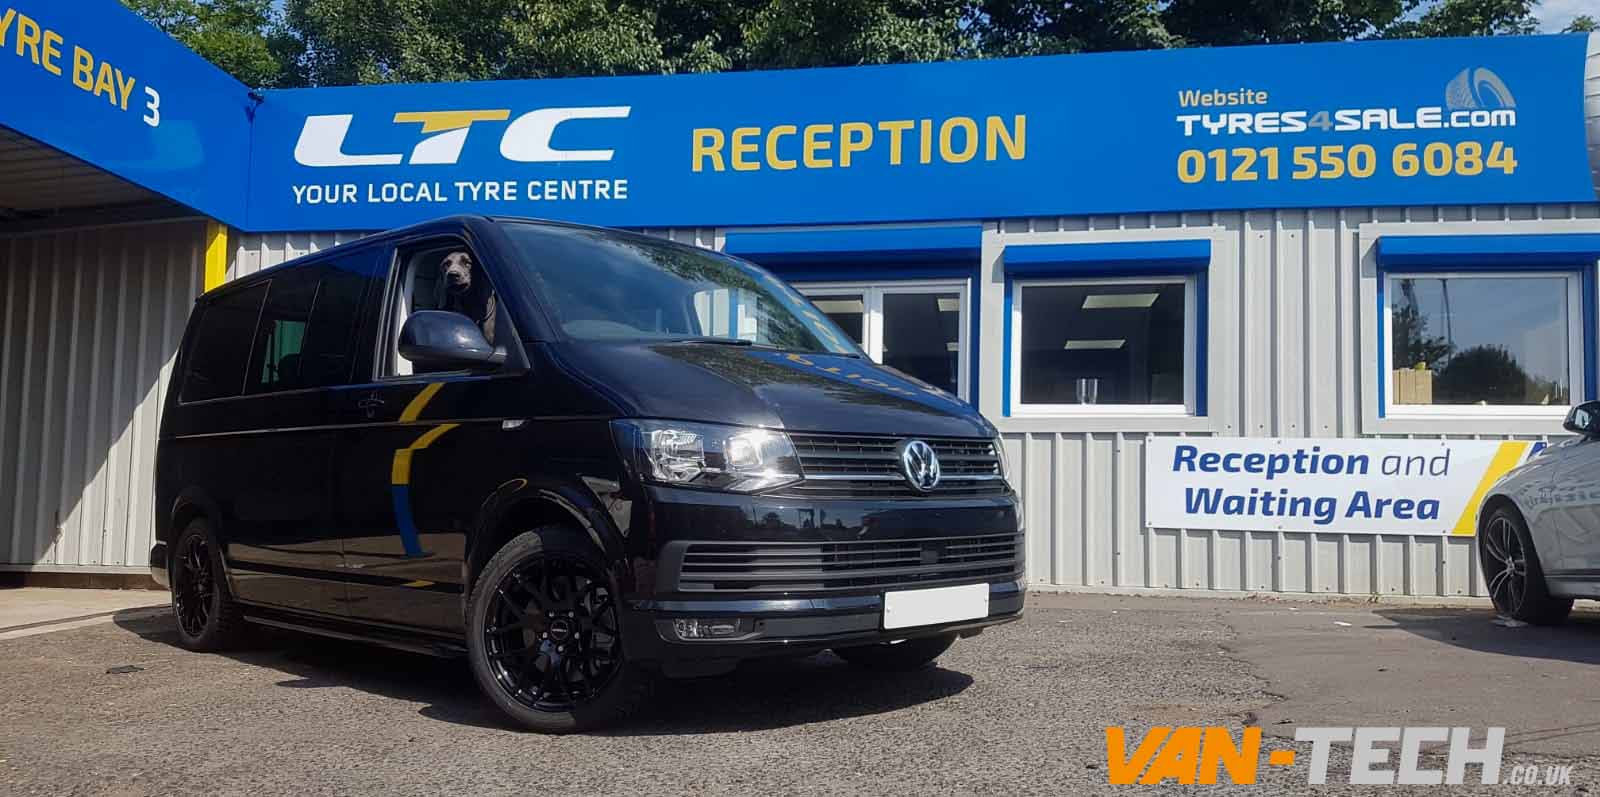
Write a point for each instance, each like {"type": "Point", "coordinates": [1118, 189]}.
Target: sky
{"type": "Point", "coordinates": [1555, 14]}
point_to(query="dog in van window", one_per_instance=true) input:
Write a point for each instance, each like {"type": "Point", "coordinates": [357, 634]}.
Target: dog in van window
{"type": "Point", "coordinates": [463, 290]}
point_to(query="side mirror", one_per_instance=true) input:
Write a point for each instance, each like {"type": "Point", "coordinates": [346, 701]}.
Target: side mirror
{"type": "Point", "coordinates": [1584, 419]}
{"type": "Point", "coordinates": [446, 341]}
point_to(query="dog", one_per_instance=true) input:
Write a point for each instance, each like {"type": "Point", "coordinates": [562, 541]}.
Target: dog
{"type": "Point", "coordinates": [462, 290]}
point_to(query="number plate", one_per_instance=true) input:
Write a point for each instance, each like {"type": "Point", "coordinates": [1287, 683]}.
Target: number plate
{"type": "Point", "coordinates": [934, 606]}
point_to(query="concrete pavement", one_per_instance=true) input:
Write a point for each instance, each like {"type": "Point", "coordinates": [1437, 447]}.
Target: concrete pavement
{"type": "Point", "coordinates": [26, 611]}
{"type": "Point", "coordinates": [1020, 709]}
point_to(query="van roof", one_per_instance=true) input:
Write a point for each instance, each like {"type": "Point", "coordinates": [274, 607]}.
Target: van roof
{"type": "Point", "coordinates": [380, 238]}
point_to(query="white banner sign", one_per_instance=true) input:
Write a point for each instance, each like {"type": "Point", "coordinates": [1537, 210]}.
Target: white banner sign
{"type": "Point", "coordinates": [1332, 485]}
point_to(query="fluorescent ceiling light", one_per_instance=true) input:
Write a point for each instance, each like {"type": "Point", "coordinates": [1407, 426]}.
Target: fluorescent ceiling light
{"type": "Point", "coordinates": [949, 304]}
{"type": "Point", "coordinates": [1119, 301]}
{"type": "Point", "coordinates": [952, 346]}
{"type": "Point", "coordinates": [1082, 345]}
{"type": "Point", "coordinates": [840, 305]}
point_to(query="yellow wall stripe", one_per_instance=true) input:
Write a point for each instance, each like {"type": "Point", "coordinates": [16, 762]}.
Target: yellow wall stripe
{"type": "Point", "coordinates": [216, 266]}
{"type": "Point", "coordinates": [1508, 457]}
{"type": "Point", "coordinates": [420, 402]}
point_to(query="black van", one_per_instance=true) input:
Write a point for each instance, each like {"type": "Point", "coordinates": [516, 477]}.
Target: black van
{"type": "Point", "coordinates": [581, 457]}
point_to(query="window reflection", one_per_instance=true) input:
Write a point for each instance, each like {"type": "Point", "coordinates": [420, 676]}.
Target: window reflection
{"type": "Point", "coordinates": [1479, 340]}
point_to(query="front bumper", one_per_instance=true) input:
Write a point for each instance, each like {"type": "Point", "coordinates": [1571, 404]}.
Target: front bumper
{"type": "Point", "coordinates": [787, 626]}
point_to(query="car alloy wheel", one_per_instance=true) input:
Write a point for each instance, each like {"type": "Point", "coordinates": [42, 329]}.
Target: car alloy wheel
{"type": "Point", "coordinates": [1505, 565]}
{"type": "Point", "coordinates": [552, 638]}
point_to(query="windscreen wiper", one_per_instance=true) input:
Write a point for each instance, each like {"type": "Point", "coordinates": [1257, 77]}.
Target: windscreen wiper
{"type": "Point", "coordinates": [715, 341]}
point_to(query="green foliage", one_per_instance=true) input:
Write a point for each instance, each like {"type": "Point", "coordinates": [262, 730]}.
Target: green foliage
{"type": "Point", "coordinates": [240, 36]}
{"type": "Point", "coordinates": [336, 42]}
{"type": "Point", "coordinates": [1470, 18]}
{"type": "Point", "coordinates": [1582, 23]}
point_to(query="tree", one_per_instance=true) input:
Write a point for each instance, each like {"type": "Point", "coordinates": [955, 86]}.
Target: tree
{"type": "Point", "coordinates": [1490, 374]}
{"type": "Point", "coordinates": [1582, 23]}
{"type": "Point", "coordinates": [338, 42]}
{"type": "Point", "coordinates": [1217, 22]}
{"type": "Point", "coordinates": [237, 35]}
{"type": "Point", "coordinates": [1470, 18]}
{"type": "Point", "coordinates": [794, 33]}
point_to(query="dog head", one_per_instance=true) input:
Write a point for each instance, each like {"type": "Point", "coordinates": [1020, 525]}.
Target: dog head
{"type": "Point", "coordinates": [455, 273]}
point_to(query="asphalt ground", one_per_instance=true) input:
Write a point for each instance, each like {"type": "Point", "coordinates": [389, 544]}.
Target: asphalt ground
{"type": "Point", "coordinates": [1021, 709]}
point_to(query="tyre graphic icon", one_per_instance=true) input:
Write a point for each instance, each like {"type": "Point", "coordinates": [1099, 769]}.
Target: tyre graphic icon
{"type": "Point", "coordinates": [1475, 88]}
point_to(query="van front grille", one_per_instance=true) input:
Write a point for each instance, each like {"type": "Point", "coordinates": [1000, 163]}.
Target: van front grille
{"type": "Point", "coordinates": [866, 467]}
{"type": "Point", "coordinates": [851, 565]}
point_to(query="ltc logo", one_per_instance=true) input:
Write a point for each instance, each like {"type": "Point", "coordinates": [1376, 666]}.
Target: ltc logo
{"type": "Point", "coordinates": [526, 140]}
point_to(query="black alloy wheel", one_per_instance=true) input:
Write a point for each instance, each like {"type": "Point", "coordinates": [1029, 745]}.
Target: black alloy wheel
{"type": "Point", "coordinates": [194, 585]}
{"type": "Point", "coordinates": [208, 618]}
{"type": "Point", "coordinates": [1511, 569]}
{"type": "Point", "coordinates": [552, 638]}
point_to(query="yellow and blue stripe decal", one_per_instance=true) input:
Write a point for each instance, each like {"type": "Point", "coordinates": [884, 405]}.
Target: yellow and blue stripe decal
{"type": "Point", "coordinates": [400, 469]}
{"type": "Point", "coordinates": [1510, 454]}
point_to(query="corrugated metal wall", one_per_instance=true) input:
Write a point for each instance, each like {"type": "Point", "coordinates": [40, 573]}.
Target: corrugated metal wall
{"type": "Point", "coordinates": [1284, 360]}
{"type": "Point", "coordinates": [253, 252]}
{"type": "Point", "coordinates": [89, 322]}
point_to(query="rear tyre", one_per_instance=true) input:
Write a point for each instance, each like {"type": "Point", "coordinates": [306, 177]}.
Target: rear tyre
{"type": "Point", "coordinates": [912, 654]}
{"type": "Point", "coordinates": [1511, 568]}
{"type": "Point", "coordinates": [208, 618]}
{"type": "Point", "coordinates": [544, 637]}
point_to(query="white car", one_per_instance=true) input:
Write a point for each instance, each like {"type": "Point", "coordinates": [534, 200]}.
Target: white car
{"type": "Point", "coordinates": [1539, 527]}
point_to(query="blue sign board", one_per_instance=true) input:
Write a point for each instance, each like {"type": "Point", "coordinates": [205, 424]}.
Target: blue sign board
{"type": "Point", "coordinates": [92, 79]}
{"type": "Point", "coordinates": [1449, 121]}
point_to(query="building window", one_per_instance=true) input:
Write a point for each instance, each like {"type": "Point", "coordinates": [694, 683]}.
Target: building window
{"type": "Point", "coordinates": [1483, 342]}
{"type": "Point", "coordinates": [919, 328]}
{"type": "Point", "coordinates": [1105, 346]}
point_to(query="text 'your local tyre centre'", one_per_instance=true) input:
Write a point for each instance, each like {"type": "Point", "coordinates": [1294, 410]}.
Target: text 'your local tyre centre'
{"type": "Point", "coordinates": [1253, 319]}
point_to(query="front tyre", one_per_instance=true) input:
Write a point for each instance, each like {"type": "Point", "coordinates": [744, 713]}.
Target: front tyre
{"type": "Point", "coordinates": [912, 654]}
{"type": "Point", "coordinates": [1511, 568]}
{"type": "Point", "coordinates": [543, 636]}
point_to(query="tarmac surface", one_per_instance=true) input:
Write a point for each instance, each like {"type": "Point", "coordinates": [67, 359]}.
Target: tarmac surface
{"type": "Point", "coordinates": [1021, 709]}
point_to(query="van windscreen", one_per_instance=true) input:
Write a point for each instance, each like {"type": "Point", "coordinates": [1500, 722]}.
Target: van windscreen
{"type": "Point", "coordinates": [602, 286]}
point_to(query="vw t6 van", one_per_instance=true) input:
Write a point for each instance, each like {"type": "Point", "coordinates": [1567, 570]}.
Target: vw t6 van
{"type": "Point", "coordinates": [582, 458]}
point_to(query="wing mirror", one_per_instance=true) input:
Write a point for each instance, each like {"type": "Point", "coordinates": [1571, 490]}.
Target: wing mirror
{"type": "Point", "coordinates": [442, 340]}
{"type": "Point", "coordinates": [1584, 419]}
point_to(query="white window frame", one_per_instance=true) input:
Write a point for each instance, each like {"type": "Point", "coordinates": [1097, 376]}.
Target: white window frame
{"type": "Point", "coordinates": [1575, 346]}
{"type": "Point", "coordinates": [872, 294]}
{"type": "Point", "coordinates": [1020, 409]}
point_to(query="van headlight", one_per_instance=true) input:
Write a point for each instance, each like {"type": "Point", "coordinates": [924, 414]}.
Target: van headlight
{"type": "Point", "coordinates": [1005, 464]}
{"type": "Point", "coordinates": [708, 456]}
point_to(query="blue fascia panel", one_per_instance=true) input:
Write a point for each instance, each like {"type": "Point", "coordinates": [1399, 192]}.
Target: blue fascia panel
{"type": "Point", "coordinates": [1467, 252]}
{"type": "Point", "coordinates": [858, 246]}
{"type": "Point", "coordinates": [1183, 256]}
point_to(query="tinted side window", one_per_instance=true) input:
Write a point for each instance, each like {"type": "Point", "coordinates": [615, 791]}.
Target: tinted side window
{"type": "Point", "coordinates": [220, 347]}
{"type": "Point", "coordinates": [307, 333]}
{"type": "Point", "coordinates": [281, 335]}
{"type": "Point", "coordinates": [330, 343]}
